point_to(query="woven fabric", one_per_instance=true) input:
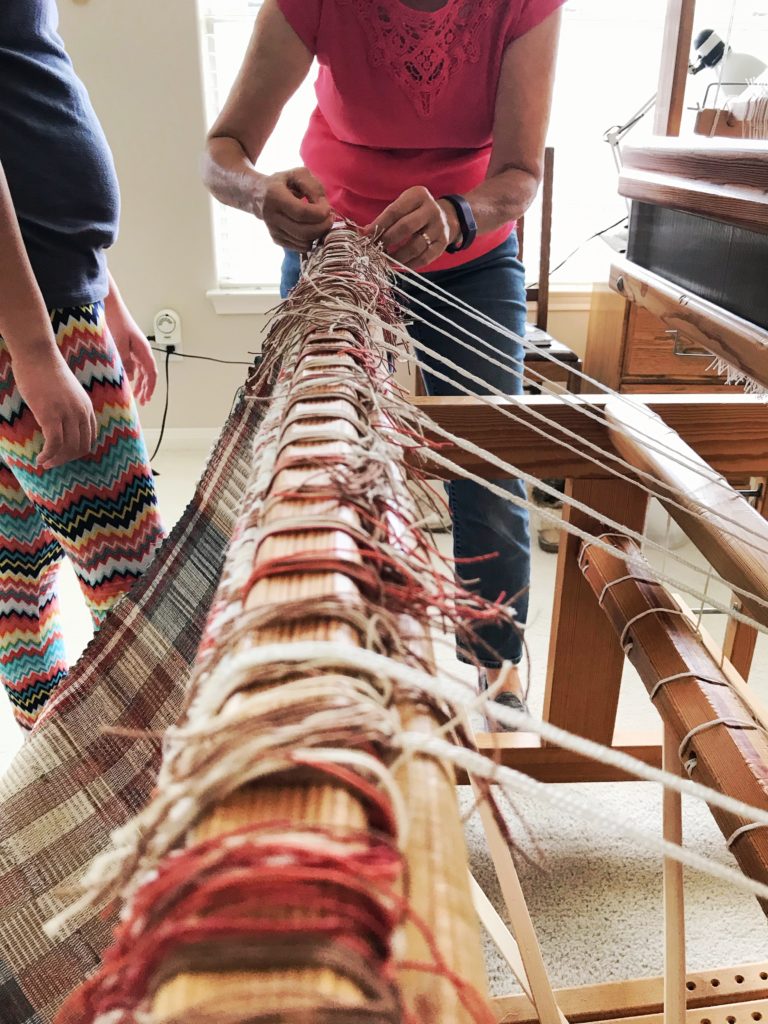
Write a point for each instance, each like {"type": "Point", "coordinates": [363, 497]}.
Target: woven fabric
{"type": "Point", "coordinates": [72, 783]}
{"type": "Point", "coordinates": [100, 511]}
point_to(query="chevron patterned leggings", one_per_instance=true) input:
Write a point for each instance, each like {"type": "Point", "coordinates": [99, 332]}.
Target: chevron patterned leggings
{"type": "Point", "coordinates": [100, 511]}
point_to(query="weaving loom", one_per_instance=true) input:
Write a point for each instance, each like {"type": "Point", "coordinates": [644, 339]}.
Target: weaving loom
{"type": "Point", "coordinates": [302, 855]}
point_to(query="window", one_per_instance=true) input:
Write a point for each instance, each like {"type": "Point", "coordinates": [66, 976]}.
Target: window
{"type": "Point", "coordinates": [607, 69]}
{"type": "Point", "coordinates": [246, 256]}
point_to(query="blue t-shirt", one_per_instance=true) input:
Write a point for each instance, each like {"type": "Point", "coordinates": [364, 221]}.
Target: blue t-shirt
{"type": "Point", "coordinates": [56, 158]}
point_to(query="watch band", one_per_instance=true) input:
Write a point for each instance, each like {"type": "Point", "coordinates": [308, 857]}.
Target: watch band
{"type": "Point", "coordinates": [467, 223]}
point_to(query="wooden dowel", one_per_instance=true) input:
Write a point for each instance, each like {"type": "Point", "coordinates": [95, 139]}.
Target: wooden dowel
{"type": "Point", "coordinates": [740, 638]}
{"type": "Point", "coordinates": [542, 992]}
{"type": "Point", "coordinates": [500, 935]}
{"type": "Point", "coordinates": [674, 895]}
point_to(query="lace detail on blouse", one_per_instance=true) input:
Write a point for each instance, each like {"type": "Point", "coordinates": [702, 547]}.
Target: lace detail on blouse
{"type": "Point", "coordinates": [421, 51]}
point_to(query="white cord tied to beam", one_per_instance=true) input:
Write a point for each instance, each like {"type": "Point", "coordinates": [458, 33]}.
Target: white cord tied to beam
{"type": "Point", "coordinates": [687, 675]}
{"type": "Point", "coordinates": [730, 723]}
{"type": "Point", "coordinates": [627, 647]}
{"type": "Point", "coordinates": [606, 535]}
{"type": "Point", "coordinates": [735, 836]}
{"type": "Point", "coordinates": [621, 579]}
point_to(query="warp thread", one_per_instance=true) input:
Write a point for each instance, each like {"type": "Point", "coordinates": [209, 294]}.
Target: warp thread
{"type": "Point", "coordinates": [283, 720]}
{"type": "Point", "coordinates": [254, 715]}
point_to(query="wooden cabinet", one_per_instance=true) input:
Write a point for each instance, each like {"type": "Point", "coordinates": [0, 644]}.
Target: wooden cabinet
{"type": "Point", "coordinates": [631, 350]}
{"type": "Point", "coordinates": [655, 354]}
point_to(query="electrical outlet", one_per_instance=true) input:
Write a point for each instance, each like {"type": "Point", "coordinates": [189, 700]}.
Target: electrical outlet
{"type": "Point", "coordinates": [168, 332]}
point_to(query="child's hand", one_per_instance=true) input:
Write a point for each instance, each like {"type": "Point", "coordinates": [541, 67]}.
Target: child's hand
{"type": "Point", "coordinates": [58, 402]}
{"type": "Point", "coordinates": [135, 351]}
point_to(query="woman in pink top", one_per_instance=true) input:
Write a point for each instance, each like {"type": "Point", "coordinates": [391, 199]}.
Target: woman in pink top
{"type": "Point", "coordinates": [429, 129]}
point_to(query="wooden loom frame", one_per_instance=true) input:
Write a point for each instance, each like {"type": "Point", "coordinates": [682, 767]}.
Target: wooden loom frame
{"type": "Point", "coordinates": [733, 995]}
{"type": "Point", "coordinates": [728, 432]}
{"type": "Point", "coordinates": [731, 432]}
{"type": "Point", "coordinates": [730, 995]}
{"type": "Point", "coordinates": [730, 435]}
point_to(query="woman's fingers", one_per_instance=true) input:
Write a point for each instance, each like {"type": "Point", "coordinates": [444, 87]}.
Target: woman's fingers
{"type": "Point", "coordinates": [409, 202]}
{"type": "Point", "coordinates": [284, 234]}
{"type": "Point", "coordinates": [295, 222]}
{"type": "Point", "coordinates": [299, 197]}
{"type": "Point", "coordinates": [304, 184]}
{"type": "Point", "coordinates": [404, 231]}
{"type": "Point", "coordinates": [299, 236]}
{"type": "Point", "coordinates": [417, 253]}
{"type": "Point", "coordinates": [413, 229]}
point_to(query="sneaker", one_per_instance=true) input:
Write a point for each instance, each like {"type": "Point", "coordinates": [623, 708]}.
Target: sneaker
{"type": "Point", "coordinates": [549, 539]}
{"type": "Point", "coordinates": [507, 700]}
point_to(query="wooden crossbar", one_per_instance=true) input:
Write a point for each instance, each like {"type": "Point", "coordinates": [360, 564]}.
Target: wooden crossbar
{"type": "Point", "coordinates": [729, 432]}
{"type": "Point", "coordinates": [727, 530]}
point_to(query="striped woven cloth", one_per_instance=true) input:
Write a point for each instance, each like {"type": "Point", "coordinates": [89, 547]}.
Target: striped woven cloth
{"type": "Point", "coordinates": [72, 783]}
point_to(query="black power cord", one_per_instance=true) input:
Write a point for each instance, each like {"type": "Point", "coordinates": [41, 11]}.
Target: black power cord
{"type": "Point", "coordinates": [188, 355]}
{"type": "Point", "coordinates": [169, 351]}
{"type": "Point", "coordinates": [579, 247]}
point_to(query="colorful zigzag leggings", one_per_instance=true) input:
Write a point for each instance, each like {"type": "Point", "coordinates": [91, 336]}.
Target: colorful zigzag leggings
{"type": "Point", "coordinates": [100, 511]}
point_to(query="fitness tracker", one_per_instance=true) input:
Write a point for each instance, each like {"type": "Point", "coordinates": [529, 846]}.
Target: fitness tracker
{"type": "Point", "coordinates": [467, 223]}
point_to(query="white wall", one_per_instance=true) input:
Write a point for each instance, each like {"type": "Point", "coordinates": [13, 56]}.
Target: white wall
{"type": "Point", "coordinates": [141, 61]}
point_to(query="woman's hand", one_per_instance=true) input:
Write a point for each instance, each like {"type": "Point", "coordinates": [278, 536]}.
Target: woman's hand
{"type": "Point", "coordinates": [135, 351]}
{"type": "Point", "coordinates": [58, 402]}
{"type": "Point", "coordinates": [295, 209]}
{"type": "Point", "coordinates": [416, 228]}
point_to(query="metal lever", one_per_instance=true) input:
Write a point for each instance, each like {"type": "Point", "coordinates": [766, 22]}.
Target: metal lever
{"type": "Point", "coordinates": [692, 353]}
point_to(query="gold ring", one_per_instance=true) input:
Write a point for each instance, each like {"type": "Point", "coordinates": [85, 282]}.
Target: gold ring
{"type": "Point", "coordinates": [427, 239]}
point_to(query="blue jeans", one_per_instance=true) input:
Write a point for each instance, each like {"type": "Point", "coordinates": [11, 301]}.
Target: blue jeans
{"type": "Point", "coordinates": [482, 522]}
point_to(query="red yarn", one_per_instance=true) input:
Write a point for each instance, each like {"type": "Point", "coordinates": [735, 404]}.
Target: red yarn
{"type": "Point", "coordinates": [263, 885]}
{"type": "Point", "coordinates": [254, 885]}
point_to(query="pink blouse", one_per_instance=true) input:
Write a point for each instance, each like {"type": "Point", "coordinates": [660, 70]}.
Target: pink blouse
{"type": "Point", "coordinates": [406, 98]}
